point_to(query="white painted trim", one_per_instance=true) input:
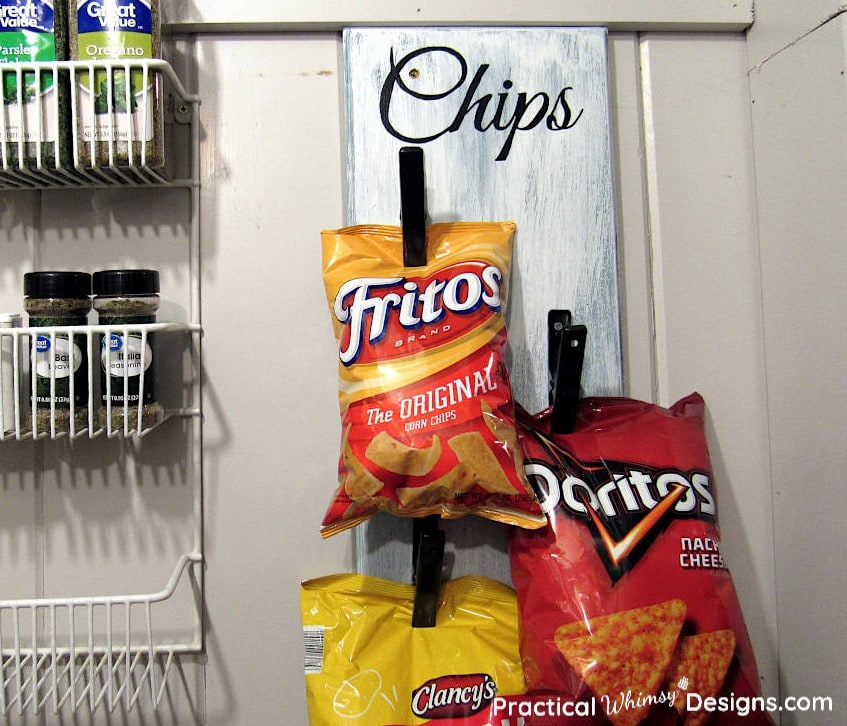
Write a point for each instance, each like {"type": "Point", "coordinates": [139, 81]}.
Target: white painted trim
{"type": "Point", "coordinates": [633, 224]}
{"type": "Point", "coordinates": [333, 15]}
{"type": "Point", "coordinates": [658, 318]}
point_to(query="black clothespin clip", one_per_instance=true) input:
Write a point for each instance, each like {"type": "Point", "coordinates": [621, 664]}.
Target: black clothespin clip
{"type": "Point", "coordinates": [566, 353]}
{"type": "Point", "coordinates": [413, 206]}
{"type": "Point", "coordinates": [428, 556]}
{"type": "Point", "coordinates": [427, 539]}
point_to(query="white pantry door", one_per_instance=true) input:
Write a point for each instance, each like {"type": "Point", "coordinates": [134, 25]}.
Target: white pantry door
{"type": "Point", "coordinates": [273, 170]}
{"type": "Point", "coordinates": [728, 158]}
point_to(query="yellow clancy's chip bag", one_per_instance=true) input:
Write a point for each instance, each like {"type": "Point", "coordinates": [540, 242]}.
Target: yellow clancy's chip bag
{"type": "Point", "coordinates": [425, 397]}
{"type": "Point", "coordinates": [365, 665]}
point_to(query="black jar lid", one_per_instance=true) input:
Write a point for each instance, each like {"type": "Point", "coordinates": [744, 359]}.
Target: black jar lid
{"type": "Point", "coordinates": [59, 284]}
{"type": "Point", "coordinates": [116, 283]}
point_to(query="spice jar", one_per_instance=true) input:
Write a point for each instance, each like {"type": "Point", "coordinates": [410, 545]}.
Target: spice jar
{"type": "Point", "coordinates": [37, 104]}
{"type": "Point", "coordinates": [124, 103]}
{"type": "Point", "coordinates": [128, 379]}
{"type": "Point", "coordinates": [8, 372]}
{"type": "Point", "coordinates": [61, 358]}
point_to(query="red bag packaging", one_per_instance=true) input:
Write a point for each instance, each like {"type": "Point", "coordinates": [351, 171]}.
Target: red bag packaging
{"type": "Point", "coordinates": [626, 603]}
{"type": "Point", "coordinates": [424, 393]}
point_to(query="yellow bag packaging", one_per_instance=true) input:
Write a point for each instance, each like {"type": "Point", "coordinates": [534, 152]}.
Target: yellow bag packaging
{"type": "Point", "coordinates": [365, 665]}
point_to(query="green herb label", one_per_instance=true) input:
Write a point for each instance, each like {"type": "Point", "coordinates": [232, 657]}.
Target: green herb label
{"type": "Point", "coordinates": [57, 359]}
{"type": "Point", "coordinates": [27, 34]}
{"type": "Point", "coordinates": [112, 108]}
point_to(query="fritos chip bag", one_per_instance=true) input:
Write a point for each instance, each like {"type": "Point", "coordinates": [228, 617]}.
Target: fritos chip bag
{"type": "Point", "coordinates": [366, 665]}
{"type": "Point", "coordinates": [625, 600]}
{"type": "Point", "coordinates": [426, 403]}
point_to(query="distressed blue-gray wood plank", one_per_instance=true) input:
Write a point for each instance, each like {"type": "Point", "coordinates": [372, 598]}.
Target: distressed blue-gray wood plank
{"type": "Point", "coordinates": [514, 124]}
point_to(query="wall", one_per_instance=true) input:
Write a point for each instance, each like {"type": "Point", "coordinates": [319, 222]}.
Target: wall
{"type": "Point", "coordinates": [796, 56]}
{"type": "Point", "coordinates": [273, 177]}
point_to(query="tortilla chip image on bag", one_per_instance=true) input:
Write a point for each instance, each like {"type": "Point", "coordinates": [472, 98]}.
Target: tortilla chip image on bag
{"type": "Point", "coordinates": [428, 423]}
{"type": "Point", "coordinates": [626, 602]}
{"type": "Point", "coordinates": [365, 665]}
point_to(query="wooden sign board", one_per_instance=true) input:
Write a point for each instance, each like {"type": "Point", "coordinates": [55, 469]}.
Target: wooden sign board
{"type": "Point", "coordinates": [514, 125]}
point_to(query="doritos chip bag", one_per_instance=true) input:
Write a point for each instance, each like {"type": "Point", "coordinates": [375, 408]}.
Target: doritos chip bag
{"type": "Point", "coordinates": [366, 665]}
{"type": "Point", "coordinates": [426, 403]}
{"type": "Point", "coordinates": [626, 601]}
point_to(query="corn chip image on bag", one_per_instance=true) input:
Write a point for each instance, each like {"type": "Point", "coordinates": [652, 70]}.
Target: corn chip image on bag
{"type": "Point", "coordinates": [426, 405]}
{"type": "Point", "coordinates": [365, 665]}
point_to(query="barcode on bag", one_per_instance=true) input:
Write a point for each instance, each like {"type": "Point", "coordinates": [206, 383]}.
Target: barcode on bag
{"type": "Point", "coordinates": [313, 640]}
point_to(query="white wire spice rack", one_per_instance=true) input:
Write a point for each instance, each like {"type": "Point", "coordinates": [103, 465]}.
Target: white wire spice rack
{"type": "Point", "coordinates": [117, 151]}
{"type": "Point", "coordinates": [48, 665]}
{"type": "Point", "coordinates": [99, 415]}
{"type": "Point", "coordinates": [93, 652]}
